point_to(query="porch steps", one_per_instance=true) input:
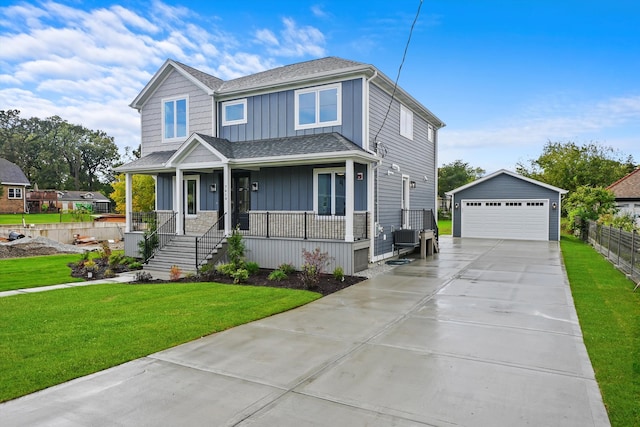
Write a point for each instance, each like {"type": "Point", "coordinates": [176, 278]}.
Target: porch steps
{"type": "Point", "coordinates": [181, 251]}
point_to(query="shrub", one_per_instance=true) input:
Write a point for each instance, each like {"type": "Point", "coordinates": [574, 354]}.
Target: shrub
{"type": "Point", "coordinates": [134, 265]}
{"type": "Point", "coordinates": [235, 249]}
{"type": "Point", "coordinates": [226, 269]}
{"type": "Point", "coordinates": [252, 267]}
{"type": "Point", "coordinates": [309, 276]}
{"type": "Point", "coordinates": [338, 274]}
{"type": "Point", "coordinates": [206, 270]}
{"type": "Point", "coordinates": [118, 259]}
{"type": "Point", "coordinates": [277, 275]}
{"type": "Point", "coordinates": [143, 276]}
{"type": "Point", "coordinates": [105, 252]}
{"type": "Point", "coordinates": [240, 275]}
{"type": "Point", "coordinates": [174, 273]}
{"type": "Point", "coordinates": [108, 273]}
{"type": "Point", "coordinates": [287, 268]}
{"type": "Point", "coordinates": [90, 265]}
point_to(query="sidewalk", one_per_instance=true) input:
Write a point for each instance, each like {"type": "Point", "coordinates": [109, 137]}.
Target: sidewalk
{"type": "Point", "coordinates": [121, 278]}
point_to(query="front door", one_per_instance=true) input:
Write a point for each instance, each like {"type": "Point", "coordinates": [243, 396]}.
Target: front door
{"type": "Point", "coordinates": [240, 200]}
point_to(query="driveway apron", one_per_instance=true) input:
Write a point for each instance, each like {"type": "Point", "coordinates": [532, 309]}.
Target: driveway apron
{"type": "Point", "coordinates": [482, 334]}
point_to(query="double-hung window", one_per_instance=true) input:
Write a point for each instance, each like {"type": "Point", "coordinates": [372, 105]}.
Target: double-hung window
{"type": "Point", "coordinates": [406, 122]}
{"type": "Point", "coordinates": [15, 193]}
{"type": "Point", "coordinates": [318, 107]}
{"type": "Point", "coordinates": [174, 112]}
{"type": "Point", "coordinates": [234, 112]}
{"type": "Point", "coordinates": [329, 191]}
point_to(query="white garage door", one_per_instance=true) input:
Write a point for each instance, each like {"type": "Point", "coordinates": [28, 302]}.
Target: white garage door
{"type": "Point", "coordinates": [505, 219]}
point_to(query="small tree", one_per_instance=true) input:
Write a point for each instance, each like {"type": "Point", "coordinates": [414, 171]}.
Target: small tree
{"type": "Point", "coordinates": [589, 203]}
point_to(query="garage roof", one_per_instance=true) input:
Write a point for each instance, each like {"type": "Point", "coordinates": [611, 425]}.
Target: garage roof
{"type": "Point", "coordinates": [505, 172]}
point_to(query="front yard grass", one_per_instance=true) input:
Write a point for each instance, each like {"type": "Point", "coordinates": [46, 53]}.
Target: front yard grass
{"type": "Point", "coordinates": [444, 226]}
{"type": "Point", "coordinates": [52, 337]}
{"type": "Point", "coordinates": [609, 313]}
{"type": "Point", "coordinates": [30, 272]}
{"type": "Point", "coordinates": [42, 218]}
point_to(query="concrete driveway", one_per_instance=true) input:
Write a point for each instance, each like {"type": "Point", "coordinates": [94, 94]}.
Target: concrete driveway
{"type": "Point", "coordinates": [482, 334]}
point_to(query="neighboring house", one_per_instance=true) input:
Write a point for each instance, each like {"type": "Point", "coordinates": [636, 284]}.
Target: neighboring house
{"type": "Point", "coordinates": [93, 201]}
{"type": "Point", "coordinates": [506, 205]}
{"type": "Point", "coordinates": [627, 192]}
{"type": "Point", "coordinates": [314, 154]}
{"type": "Point", "coordinates": [13, 185]}
{"type": "Point", "coordinates": [42, 201]}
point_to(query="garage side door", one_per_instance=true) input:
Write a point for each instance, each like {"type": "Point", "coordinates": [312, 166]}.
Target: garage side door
{"type": "Point", "coordinates": [505, 219]}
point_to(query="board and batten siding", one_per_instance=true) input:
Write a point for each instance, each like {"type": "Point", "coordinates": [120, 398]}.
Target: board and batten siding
{"type": "Point", "coordinates": [272, 115]}
{"type": "Point", "coordinates": [200, 113]}
{"type": "Point", "coordinates": [415, 158]}
{"type": "Point", "coordinates": [506, 187]}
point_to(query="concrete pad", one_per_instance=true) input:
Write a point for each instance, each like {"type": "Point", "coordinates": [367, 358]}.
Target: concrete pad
{"type": "Point", "coordinates": [549, 317]}
{"type": "Point", "coordinates": [444, 390]}
{"type": "Point", "coordinates": [144, 392]}
{"type": "Point", "coordinates": [418, 285]}
{"type": "Point", "coordinates": [295, 410]}
{"type": "Point", "coordinates": [520, 278]}
{"type": "Point", "coordinates": [506, 292]}
{"type": "Point", "coordinates": [516, 347]}
{"type": "Point", "coordinates": [274, 357]}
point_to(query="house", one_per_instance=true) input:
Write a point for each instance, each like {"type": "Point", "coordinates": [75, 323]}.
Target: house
{"type": "Point", "coordinates": [506, 205]}
{"type": "Point", "coordinates": [13, 184]}
{"type": "Point", "coordinates": [326, 153]}
{"type": "Point", "coordinates": [92, 201]}
{"type": "Point", "coordinates": [42, 200]}
{"type": "Point", "coordinates": [627, 192]}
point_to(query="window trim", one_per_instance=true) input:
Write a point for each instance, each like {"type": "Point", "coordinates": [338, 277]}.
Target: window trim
{"type": "Point", "coordinates": [317, 90]}
{"type": "Point", "coordinates": [15, 189]}
{"type": "Point", "coordinates": [333, 172]}
{"type": "Point", "coordinates": [164, 131]}
{"type": "Point", "coordinates": [406, 122]}
{"type": "Point", "coordinates": [430, 133]}
{"type": "Point", "coordinates": [226, 104]}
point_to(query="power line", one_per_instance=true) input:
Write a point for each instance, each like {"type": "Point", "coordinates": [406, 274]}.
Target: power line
{"type": "Point", "coordinates": [395, 86]}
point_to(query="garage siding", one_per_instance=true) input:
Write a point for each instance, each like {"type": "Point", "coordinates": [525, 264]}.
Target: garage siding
{"type": "Point", "coordinates": [507, 187]}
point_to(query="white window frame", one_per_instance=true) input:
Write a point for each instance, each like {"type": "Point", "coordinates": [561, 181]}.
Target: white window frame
{"type": "Point", "coordinates": [317, 91]}
{"type": "Point", "coordinates": [430, 133]}
{"type": "Point", "coordinates": [226, 104]}
{"type": "Point", "coordinates": [175, 118]}
{"type": "Point", "coordinates": [333, 172]}
{"type": "Point", "coordinates": [186, 178]}
{"type": "Point", "coordinates": [406, 122]}
{"type": "Point", "coordinates": [14, 190]}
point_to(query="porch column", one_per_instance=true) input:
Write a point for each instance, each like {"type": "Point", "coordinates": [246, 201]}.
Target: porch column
{"type": "Point", "coordinates": [226, 182]}
{"type": "Point", "coordinates": [179, 202]}
{"type": "Point", "coordinates": [349, 194]}
{"type": "Point", "coordinates": [128, 202]}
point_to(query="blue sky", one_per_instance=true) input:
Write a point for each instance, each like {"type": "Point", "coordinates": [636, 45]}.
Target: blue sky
{"type": "Point", "coordinates": [506, 76]}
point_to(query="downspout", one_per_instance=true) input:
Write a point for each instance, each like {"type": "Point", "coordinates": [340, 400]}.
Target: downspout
{"type": "Point", "coordinates": [374, 191]}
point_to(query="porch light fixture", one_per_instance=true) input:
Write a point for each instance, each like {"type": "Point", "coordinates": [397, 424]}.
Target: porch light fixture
{"type": "Point", "coordinates": [395, 167]}
{"type": "Point", "coordinates": [554, 205]}
{"type": "Point", "coordinates": [389, 172]}
{"type": "Point", "coordinates": [457, 205]}
{"type": "Point", "coordinates": [213, 188]}
{"type": "Point", "coordinates": [412, 184]}
{"type": "Point", "coordinates": [254, 186]}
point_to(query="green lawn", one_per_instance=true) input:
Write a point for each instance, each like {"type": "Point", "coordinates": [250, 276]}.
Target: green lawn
{"type": "Point", "coordinates": [19, 273]}
{"type": "Point", "coordinates": [609, 313]}
{"type": "Point", "coordinates": [41, 218]}
{"type": "Point", "coordinates": [444, 226]}
{"type": "Point", "coordinates": [51, 337]}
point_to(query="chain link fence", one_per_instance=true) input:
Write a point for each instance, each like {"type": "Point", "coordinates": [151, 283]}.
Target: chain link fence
{"type": "Point", "coordinates": [622, 248]}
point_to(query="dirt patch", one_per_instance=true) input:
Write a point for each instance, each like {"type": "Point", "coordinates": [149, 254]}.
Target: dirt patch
{"type": "Point", "coordinates": [28, 246]}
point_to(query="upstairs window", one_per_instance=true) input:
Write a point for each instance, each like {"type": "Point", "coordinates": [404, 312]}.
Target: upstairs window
{"type": "Point", "coordinates": [234, 112]}
{"type": "Point", "coordinates": [15, 193]}
{"type": "Point", "coordinates": [329, 189]}
{"type": "Point", "coordinates": [175, 118]}
{"type": "Point", "coordinates": [430, 133]}
{"type": "Point", "coordinates": [406, 122]}
{"type": "Point", "coordinates": [318, 107]}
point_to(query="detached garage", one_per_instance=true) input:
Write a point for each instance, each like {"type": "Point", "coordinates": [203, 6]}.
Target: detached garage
{"type": "Point", "coordinates": [505, 205]}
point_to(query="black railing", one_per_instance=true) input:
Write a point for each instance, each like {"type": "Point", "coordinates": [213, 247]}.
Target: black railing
{"type": "Point", "coordinates": [144, 221]}
{"type": "Point", "coordinates": [208, 242]}
{"type": "Point", "coordinates": [156, 239]}
{"type": "Point", "coordinates": [305, 225]}
{"type": "Point", "coordinates": [419, 219]}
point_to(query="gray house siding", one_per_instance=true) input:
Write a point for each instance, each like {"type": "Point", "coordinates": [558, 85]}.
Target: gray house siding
{"type": "Point", "coordinates": [200, 113]}
{"type": "Point", "coordinates": [415, 158]}
{"type": "Point", "coordinates": [508, 187]}
{"type": "Point", "coordinates": [272, 115]}
{"type": "Point", "coordinates": [164, 192]}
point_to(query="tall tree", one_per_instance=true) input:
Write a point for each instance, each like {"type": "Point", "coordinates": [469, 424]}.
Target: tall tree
{"type": "Point", "coordinates": [143, 193]}
{"type": "Point", "coordinates": [456, 174]}
{"type": "Point", "coordinates": [569, 166]}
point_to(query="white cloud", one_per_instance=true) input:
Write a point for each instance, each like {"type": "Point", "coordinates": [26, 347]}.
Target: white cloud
{"type": "Point", "coordinates": [318, 11]}
{"type": "Point", "coordinates": [267, 37]}
{"type": "Point", "coordinates": [294, 41]}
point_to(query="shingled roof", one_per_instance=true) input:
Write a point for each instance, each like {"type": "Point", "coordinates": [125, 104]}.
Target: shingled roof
{"type": "Point", "coordinates": [627, 187]}
{"type": "Point", "coordinates": [11, 174]}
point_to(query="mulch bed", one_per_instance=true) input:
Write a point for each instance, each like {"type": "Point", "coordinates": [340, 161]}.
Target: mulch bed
{"type": "Point", "coordinates": [327, 284]}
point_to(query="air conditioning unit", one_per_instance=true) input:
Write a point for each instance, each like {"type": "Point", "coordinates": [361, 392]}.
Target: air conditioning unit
{"type": "Point", "coordinates": [406, 238]}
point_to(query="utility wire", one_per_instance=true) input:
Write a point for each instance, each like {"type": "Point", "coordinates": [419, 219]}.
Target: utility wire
{"type": "Point", "coordinates": [395, 86]}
